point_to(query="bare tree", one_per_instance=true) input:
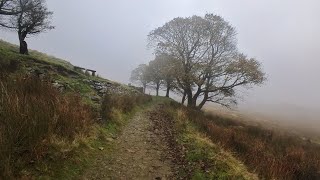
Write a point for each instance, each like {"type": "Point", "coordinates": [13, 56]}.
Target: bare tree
{"type": "Point", "coordinates": [208, 63]}
{"type": "Point", "coordinates": [221, 87]}
{"type": "Point", "coordinates": [181, 38]}
{"type": "Point", "coordinates": [154, 75]}
{"type": "Point", "coordinates": [139, 76]}
{"type": "Point", "coordinates": [33, 18]}
{"type": "Point", "coordinates": [159, 72]}
{"type": "Point", "coordinates": [166, 66]}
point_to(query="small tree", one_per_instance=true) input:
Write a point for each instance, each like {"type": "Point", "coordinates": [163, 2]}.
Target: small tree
{"type": "Point", "coordinates": [139, 76]}
{"type": "Point", "coordinates": [155, 75]}
{"type": "Point", "coordinates": [33, 18]}
{"type": "Point", "coordinates": [166, 65]}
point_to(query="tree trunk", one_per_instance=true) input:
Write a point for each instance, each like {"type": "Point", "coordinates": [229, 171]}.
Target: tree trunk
{"type": "Point", "coordinates": [190, 99]}
{"type": "Point", "coordinates": [194, 102]}
{"type": "Point", "coordinates": [183, 97]}
{"type": "Point", "coordinates": [203, 102]}
{"type": "Point", "coordinates": [23, 44]}
{"type": "Point", "coordinates": [144, 88]}
{"type": "Point", "coordinates": [168, 91]}
{"type": "Point", "coordinates": [195, 98]}
{"type": "Point", "coordinates": [24, 48]}
{"type": "Point", "coordinates": [157, 89]}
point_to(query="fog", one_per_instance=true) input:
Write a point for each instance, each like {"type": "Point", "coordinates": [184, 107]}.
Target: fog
{"type": "Point", "coordinates": [111, 37]}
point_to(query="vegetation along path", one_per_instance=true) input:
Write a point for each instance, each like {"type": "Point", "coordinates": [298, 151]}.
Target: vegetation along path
{"type": "Point", "coordinates": [139, 153]}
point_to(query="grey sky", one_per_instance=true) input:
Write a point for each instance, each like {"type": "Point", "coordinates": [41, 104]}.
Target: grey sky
{"type": "Point", "coordinates": [110, 36]}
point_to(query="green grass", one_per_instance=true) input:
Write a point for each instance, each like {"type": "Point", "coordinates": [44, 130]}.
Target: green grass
{"type": "Point", "coordinates": [85, 152]}
{"type": "Point", "coordinates": [88, 149]}
{"type": "Point", "coordinates": [57, 69]}
{"type": "Point", "coordinates": [65, 160]}
{"type": "Point", "coordinates": [219, 163]}
{"type": "Point", "coordinates": [11, 51]}
{"type": "Point", "coordinates": [69, 161]}
{"type": "Point", "coordinates": [206, 159]}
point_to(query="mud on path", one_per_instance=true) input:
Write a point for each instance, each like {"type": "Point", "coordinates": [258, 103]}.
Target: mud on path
{"type": "Point", "coordinates": [139, 153]}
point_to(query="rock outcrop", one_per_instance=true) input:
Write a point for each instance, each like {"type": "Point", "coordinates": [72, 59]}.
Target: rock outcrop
{"type": "Point", "coordinates": [102, 88]}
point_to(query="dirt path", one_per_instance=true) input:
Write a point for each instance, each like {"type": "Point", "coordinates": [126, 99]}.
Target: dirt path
{"type": "Point", "coordinates": [138, 154]}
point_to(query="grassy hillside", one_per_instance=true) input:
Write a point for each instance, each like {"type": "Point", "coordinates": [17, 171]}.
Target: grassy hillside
{"type": "Point", "coordinates": [236, 148]}
{"type": "Point", "coordinates": [10, 51]}
{"type": "Point", "coordinates": [60, 73]}
{"type": "Point", "coordinates": [55, 121]}
{"type": "Point", "coordinates": [52, 117]}
{"type": "Point", "coordinates": [196, 155]}
{"type": "Point", "coordinates": [272, 153]}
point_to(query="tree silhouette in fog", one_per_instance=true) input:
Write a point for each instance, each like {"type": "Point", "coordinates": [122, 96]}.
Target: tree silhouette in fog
{"type": "Point", "coordinates": [207, 64]}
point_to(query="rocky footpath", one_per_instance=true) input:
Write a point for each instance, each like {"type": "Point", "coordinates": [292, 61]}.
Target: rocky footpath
{"type": "Point", "coordinates": [139, 153]}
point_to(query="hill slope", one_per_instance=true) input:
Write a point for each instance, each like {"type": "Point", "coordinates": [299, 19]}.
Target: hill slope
{"type": "Point", "coordinates": [62, 74]}
{"type": "Point", "coordinates": [47, 132]}
{"type": "Point", "coordinates": [53, 115]}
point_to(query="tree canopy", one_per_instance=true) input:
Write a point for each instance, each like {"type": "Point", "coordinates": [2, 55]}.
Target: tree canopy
{"type": "Point", "coordinates": [207, 64]}
{"type": "Point", "coordinates": [8, 7]}
{"type": "Point", "coordinates": [139, 75]}
{"type": "Point", "coordinates": [30, 17]}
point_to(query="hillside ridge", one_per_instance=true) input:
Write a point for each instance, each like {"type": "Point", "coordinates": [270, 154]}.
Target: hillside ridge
{"type": "Point", "coordinates": [62, 74]}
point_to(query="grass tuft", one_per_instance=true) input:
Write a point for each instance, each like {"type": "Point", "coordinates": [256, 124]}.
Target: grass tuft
{"type": "Point", "coordinates": [32, 112]}
{"type": "Point", "coordinates": [115, 104]}
{"type": "Point", "coordinates": [201, 159]}
{"type": "Point", "coordinates": [273, 155]}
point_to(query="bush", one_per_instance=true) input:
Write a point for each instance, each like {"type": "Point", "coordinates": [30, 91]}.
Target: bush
{"type": "Point", "coordinates": [31, 112]}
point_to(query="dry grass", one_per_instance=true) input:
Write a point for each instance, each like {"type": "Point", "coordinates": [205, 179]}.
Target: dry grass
{"type": "Point", "coordinates": [273, 155]}
{"type": "Point", "coordinates": [195, 155]}
{"type": "Point", "coordinates": [8, 66]}
{"type": "Point", "coordinates": [121, 103]}
{"type": "Point", "coordinates": [32, 112]}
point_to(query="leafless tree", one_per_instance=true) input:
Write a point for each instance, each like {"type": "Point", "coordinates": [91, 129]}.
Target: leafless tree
{"type": "Point", "coordinates": [208, 62]}
{"type": "Point", "coordinates": [33, 18]}
{"type": "Point", "coordinates": [154, 74]}
{"type": "Point", "coordinates": [139, 76]}
{"type": "Point", "coordinates": [166, 66]}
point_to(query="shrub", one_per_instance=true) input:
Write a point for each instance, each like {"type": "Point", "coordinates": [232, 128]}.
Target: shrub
{"type": "Point", "coordinates": [31, 112]}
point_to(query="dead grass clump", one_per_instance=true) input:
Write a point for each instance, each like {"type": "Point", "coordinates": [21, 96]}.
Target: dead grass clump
{"type": "Point", "coordinates": [122, 103]}
{"type": "Point", "coordinates": [31, 112]}
{"type": "Point", "coordinates": [8, 66]}
{"type": "Point", "coordinates": [273, 155]}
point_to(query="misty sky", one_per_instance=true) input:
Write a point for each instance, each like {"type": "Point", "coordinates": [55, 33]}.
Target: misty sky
{"type": "Point", "coordinates": [111, 37]}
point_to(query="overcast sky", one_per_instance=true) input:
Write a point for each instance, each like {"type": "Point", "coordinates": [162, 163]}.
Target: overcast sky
{"type": "Point", "coordinates": [110, 36]}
